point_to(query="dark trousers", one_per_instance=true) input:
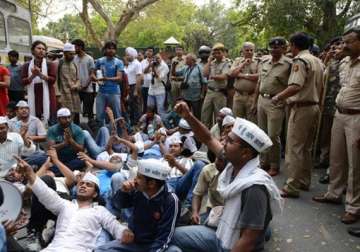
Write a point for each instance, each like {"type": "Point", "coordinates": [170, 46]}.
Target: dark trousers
{"type": "Point", "coordinates": [87, 100]}
{"type": "Point", "coordinates": [195, 106]}
{"type": "Point", "coordinates": [16, 95]}
{"type": "Point", "coordinates": [39, 214]}
{"type": "Point", "coordinates": [144, 93]}
{"type": "Point", "coordinates": [134, 106]}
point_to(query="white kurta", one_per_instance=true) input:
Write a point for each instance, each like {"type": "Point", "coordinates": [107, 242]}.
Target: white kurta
{"type": "Point", "coordinates": [76, 228]}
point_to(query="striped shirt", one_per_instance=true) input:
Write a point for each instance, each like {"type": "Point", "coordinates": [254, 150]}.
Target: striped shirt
{"type": "Point", "coordinates": [13, 145]}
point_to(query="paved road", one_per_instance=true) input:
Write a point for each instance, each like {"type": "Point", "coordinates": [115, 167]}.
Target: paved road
{"type": "Point", "coordinates": [307, 226]}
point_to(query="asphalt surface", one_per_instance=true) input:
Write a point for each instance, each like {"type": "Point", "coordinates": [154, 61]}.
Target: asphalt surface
{"type": "Point", "coordinates": [308, 226]}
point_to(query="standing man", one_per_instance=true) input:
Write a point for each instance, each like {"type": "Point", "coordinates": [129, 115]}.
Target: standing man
{"type": "Point", "coordinates": [204, 54]}
{"type": "Point", "coordinates": [39, 77]}
{"type": "Point", "coordinates": [134, 72]}
{"type": "Point", "coordinates": [85, 65]}
{"type": "Point", "coordinates": [68, 82]}
{"type": "Point", "coordinates": [345, 135]}
{"type": "Point", "coordinates": [4, 85]}
{"type": "Point", "coordinates": [111, 69]}
{"type": "Point", "coordinates": [16, 89]}
{"type": "Point", "coordinates": [215, 71]}
{"type": "Point", "coordinates": [303, 96]}
{"type": "Point", "coordinates": [193, 84]}
{"type": "Point", "coordinates": [146, 66]}
{"type": "Point", "coordinates": [177, 63]}
{"type": "Point", "coordinates": [245, 72]}
{"type": "Point", "coordinates": [274, 74]}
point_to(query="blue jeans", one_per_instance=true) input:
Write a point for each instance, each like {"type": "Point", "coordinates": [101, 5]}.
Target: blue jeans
{"type": "Point", "coordinates": [116, 246]}
{"type": "Point", "coordinates": [72, 163]}
{"type": "Point", "coordinates": [158, 101]}
{"type": "Point", "coordinates": [93, 147]}
{"type": "Point", "coordinates": [184, 186]}
{"type": "Point", "coordinates": [104, 100]}
{"type": "Point", "coordinates": [197, 238]}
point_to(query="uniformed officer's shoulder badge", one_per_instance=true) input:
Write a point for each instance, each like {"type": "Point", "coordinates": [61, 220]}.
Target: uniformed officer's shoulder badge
{"type": "Point", "coordinates": [298, 61]}
{"type": "Point", "coordinates": [296, 67]}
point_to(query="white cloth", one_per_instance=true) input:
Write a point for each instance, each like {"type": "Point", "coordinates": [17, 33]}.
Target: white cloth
{"type": "Point", "coordinates": [158, 87]}
{"type": "Point", "coordinates": [147, 76]}
{"type": "Point", "coordinates": [13, 145]}
{"type": "Point", "coordinates": [31, 93]}
{"type": "Point", "coordinates": [228, 120]}
{"type": "Point", "coordinates": [131, 52]}
{"type": "Point", "coordinates": [76, 228]}
{"type": "Point", "coordinates": [153, 168]}
{"type": "Point", "coordinates": [250, 174]}
{"type": "Point", "coordinates": [132, 70]}
{"type": "Point", "coordinates": [63, 112]}
{"type": "Point", "coordinates": [89, 177]}
{"type": "Point", "coordinates": [189, 143]}
{"type": "Point", "coordinates": [187, 163]}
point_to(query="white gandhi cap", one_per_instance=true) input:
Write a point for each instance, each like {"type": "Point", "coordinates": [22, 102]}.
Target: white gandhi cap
{"type": "Point", "coordinates": [153, 168]}
{"type": "Point", "coordinates": [68, 47]}
{"type": "Point", "coordinates": [89, 177]}
{"type": "Point", "coordinates": [3, 120]}
{"type": "Point", "coordinates": [22, 104]}
{"type": "Point", "coordinates": [184, 124]}
{"type": "Point", "coordinates": [63, 112]}
{"type": "Point", "coordinates": [252, 134]}
{"type": "Point", "coordinates": [228, 120]}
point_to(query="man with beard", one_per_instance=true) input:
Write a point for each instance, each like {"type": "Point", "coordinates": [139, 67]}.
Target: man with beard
{"type": "Point", "coordinates": [24, 123]}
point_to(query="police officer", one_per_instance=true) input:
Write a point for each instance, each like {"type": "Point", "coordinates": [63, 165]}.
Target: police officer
{"type": "Point", "coordinates": [302, 95]}
{"type": "Point", "coordinates": [215, 71]}
{"type": "Point", "coordinates": [274, 73]}
{"type": "Point", "coordinates": [177, 64]}
{"type": "Point", "coordinates": [345, 135]}
{"type": "Point", "coordinates": [245, 71]}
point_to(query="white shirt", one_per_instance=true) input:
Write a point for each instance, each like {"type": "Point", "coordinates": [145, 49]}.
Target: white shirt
{"type": "Point", "coordinates": [147, 76]}
{"type": "Point", "coordinates": [158, 87]}
{"type": "Point", "coordinates": [76, 228]}
{"type": "Point", "coordinates": [13, 145]}
{"type": "Point", "coordinates": [132, 70]}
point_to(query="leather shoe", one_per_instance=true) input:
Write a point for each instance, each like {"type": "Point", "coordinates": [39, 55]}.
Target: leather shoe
{"type": "Point", "coordinates": [349, 218]}
{"type": "Point", "coordinates": [323, 199]}
{"type": "Point", "coordinates": [324, 179]}
{"type": "Point", "coordinates": [355, 231]}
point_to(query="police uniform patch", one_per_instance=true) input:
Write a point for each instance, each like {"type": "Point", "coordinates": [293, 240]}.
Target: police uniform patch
{"type": "Point", "coordinates": [296, 67]}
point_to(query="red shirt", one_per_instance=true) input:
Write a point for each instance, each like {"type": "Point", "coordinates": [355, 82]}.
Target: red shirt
{"type": "Point", "coordinates": [4, 99]}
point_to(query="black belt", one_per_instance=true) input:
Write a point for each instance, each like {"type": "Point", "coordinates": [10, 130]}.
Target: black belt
{"type": "Point", "coordinates": [348, 111]}
{"type": "Point", "coordinates": [267, 96]}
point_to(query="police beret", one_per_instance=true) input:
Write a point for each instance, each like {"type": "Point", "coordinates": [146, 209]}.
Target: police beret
{"type": "Point", "coordinates": [278, 41]}
{"type": "Point", "coordinates": [218, 46]}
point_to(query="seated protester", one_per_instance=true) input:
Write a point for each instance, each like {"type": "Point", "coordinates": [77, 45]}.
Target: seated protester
{"type": "Point", "coordinates": [117, 127]}
{"type": "Point", "coordinates": [227, 125]}
{"type": "Point", "coordinates": [33, 127]}
{"type": "Point", "coordinates": [216, 130]}
{"type": "Point", "coordinates": [43, 220]}
{"type": "Point", "coordinates": [149, 123]}
{"type": "Point", "coordinates": [109, 163]}
{"type": "Point", "coordinates": [10, 110]}
{"type": "Point", "coordinates": [155, 210]}
{"type": "Point", "coordinates": [187, 137]}
{"type": "Point", "coordinates": [67, 139]}
{"type": "Point", "coordinates": [251, 197]}
{"type": "Point", "coordinates": [11, 144]}
{"type": "Point", "coordinates": [80, 221]}
{"type": "Point", "coordinates": [207, 185]}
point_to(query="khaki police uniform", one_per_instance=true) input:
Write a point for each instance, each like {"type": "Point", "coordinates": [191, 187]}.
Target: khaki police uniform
{"type": "Point", "coordinates": [215, 98]}
{"type": "Point", "coordinates": [344, 151]}
{"type": "Point", "coordinates": [175, 85]}
{"type": "Point", "coordinates": [244, 90]}
{"type": "Point", "coordinates": [273, 79]}
{"type": "Point", "coordinates": [306, 72]}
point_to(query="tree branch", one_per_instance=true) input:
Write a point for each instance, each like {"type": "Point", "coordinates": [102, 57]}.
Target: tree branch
{"type": "Point", "coordinates": [345, 10]}
{"type": "Point", "coordinates": [131, 10]}
{"type": "Point", "coordinates": [99, 9]}
{"type": "Point", "coordinates": [84, 15]}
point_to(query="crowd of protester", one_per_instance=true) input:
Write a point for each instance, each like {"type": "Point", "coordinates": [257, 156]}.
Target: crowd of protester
{"type": "Point", "coordinates": [153, 152]}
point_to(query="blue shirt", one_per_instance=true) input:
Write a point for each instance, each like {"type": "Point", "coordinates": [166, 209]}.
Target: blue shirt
{"type": "Point", "coordinates": [109, 67]}
{"type": "Point", "coordinates": [15, 75]}
{"type": "Point", "coordinates": [195, 79]}
{"type": "Point", "coordinates": [56, 134]}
